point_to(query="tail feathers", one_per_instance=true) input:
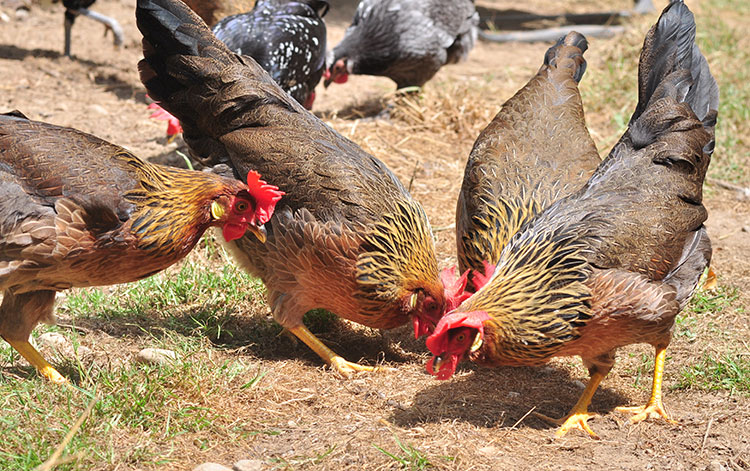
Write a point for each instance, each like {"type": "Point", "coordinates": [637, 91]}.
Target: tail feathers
{"type": "Point", "coordinates": [194, 76]}
{"type": "Point", "coordinates": [568, 53]}
{"type": "Point", "coordinates": [671, 65]}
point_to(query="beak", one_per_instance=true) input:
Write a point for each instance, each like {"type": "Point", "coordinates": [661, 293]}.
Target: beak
{"type": "Point", "coordinates": [413, 301]}
{"type": "Point", "coordinates": [258, 231]}
{"type": "Point", "coordinates": [437, 363]}
{"type": "Point", "coordinates": [477, 344]}
{"type": "Point", "coordinates": [217, 210]}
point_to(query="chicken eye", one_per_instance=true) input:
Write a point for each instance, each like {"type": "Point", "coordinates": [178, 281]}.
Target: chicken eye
{"type": "Point", "coordinates": [460, 337]}
{"type": "Point", "coordinates": [241, 206]}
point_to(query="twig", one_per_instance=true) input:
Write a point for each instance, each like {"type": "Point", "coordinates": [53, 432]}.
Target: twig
{"type": "Point", "coordinates": [729, 186]}
{"type": "Point", "coordinates": [55, 460]}
{"type": "Point", "coordinates": [705, 435]}
{"type": "Point", "coordinates": [444, 228]}
{"type": "Point", "coordinates": [520, 420]}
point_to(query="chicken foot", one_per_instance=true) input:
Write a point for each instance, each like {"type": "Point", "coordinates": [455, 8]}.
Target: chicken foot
{"type": "Point", "coordinates": [37, 360]}
{"type": "Point", "coordinates": [654, 407]}
{"type": "Point", "coordinates": [338, 363]}
{"type": "Point", "coordinates": [578, 416]}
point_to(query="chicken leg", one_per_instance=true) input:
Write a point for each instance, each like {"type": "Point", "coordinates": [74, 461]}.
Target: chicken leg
{"type": "Point", "coordinates": [654, 407]}
{"type": "Point", "coordinates": [343, 367]}
{"type": "Point", "coordinates": [37, 360]}
{"type": "Point", "coordinates": [578, 416]}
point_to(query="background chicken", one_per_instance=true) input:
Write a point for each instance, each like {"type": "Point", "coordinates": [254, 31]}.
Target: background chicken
{"type": "Point", "coordinates": [405, 40]}
{"type": "Point", "coordinates": [348, 237]}
{"type": "Point", "coordinates": [517, 166]}
{"type": "Point", "coordinates": [613, 263]}
{"type": "Point", "coordinates": [73, 8]}
{"type": "Point", "coordinates": [78, 211]}
{"type": "Point", "coordinates": [286, 38]}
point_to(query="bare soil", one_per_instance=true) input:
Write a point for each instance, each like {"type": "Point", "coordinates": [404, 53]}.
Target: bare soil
{"type": "Point", "coordinates": [480, 419]}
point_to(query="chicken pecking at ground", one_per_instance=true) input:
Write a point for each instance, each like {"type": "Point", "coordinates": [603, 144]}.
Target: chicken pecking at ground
{"type": "Point", "coordinates": [286, 38]}
{"type": "Point", "coordinates": [74, 8]}
{"type": "Point", "coordinates": [405, 40]}
{"type": "Point", "coordinates": [517, 166]}
{"type": "Point", "coordinates": [77, 211]}
{"type": "Point", "coordinates": [613, 263]}
{"type": "Point", "coordinates": [348, 237]}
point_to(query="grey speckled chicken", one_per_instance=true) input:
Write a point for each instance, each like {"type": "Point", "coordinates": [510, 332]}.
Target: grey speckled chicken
{"type": "Point", "coordinates": [346, 237]}
{"type": "Point", "coordinates": [613, 263]}
{"type": "Point", "coordinates": [535, 151]}
{"type": "Point", "coordinates": [405, 40]}
{"type": "Point", "coordinates": [287, 38]}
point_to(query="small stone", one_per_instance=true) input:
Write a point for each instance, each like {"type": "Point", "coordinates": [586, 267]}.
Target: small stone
{"type": "Point", "coordinates": [745, 228]}
{"type": "Point", "coordinates": [55, 340]}
{"type": "Point", "coordinates": [99, 109]}
{"type": "Point", "coordinates": [579, 384]}
{"type": "Point", "coordinates": [513, 394]}
{"type": "Point", "coordinates": [156, 356]}
{"type": "Point", "coordinates": [248, 465]}
{"type": "Point", "coordinates": [488, 451]}
{"type": "Point", "coordinates": [715, 465]}
{"type": "Point", "coordinates": [211, 467]}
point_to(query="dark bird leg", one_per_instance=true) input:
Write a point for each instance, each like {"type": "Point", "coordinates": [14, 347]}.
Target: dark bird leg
{"type": "Point", "coordinates": [654, 408]}
{"type": "Point", "coordinates": [109, 23]}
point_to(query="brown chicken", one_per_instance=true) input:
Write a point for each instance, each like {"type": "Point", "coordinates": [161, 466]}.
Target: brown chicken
{"type": "Point", "coordinates": [517, 166]}
{"type": "Point", "coordinates": [78, 211]}
{"type": "Point", "coordinates": [613, 263]}
{"type": "Point", "coordinates": [348, 237]}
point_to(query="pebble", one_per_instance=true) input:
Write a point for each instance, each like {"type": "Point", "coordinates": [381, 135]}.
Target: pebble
{"type": "Point", "coordinates": [211, 467]}
{"type": "Point", "coordinates": [248, 465]}
{"type": "Point", "coordinates": [156, 356]}
{"type": "Point", "coordinates": [513, 394]}
{"type": "Point", "coordinates": [579, 384]}
{"type": "Point", "coordinates": [55, 340]}
{"type": "Point", "coordinates": [715, 465]}
{"type": "Point", "coordinates": [745, 228]}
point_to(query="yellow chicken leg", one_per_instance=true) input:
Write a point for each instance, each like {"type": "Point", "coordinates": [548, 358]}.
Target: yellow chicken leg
{"type": "Point", "coordinates": [654, 408]}
{"type": "Point", "coordinates": [343, 367]}
{"type": "Point", "coordinates": [37, 360]}
{"type": "Point", "coordinates": [578, 416]}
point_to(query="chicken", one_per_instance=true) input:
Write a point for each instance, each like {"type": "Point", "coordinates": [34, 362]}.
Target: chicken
{"type": "Point", "coordinates": [517, 167]}
{"type": "Point", "coordinates": [78, 211]}
{"type": "Point", "coordinates": [286, 38]}
{"type": "Point", "coordinates": [613, 263]}
{"type": "Point", "coordinates": [405, 40]}
{"type": "Point", "coordinates": [348, 237]}
{"type": "Point", "coordinates": [73, 8]}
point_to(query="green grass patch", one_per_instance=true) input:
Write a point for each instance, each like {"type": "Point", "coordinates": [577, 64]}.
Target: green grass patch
{"type": "Point", "coordinates": [407, 457]}
{"type": "Point", "coordinates": [729, 372]}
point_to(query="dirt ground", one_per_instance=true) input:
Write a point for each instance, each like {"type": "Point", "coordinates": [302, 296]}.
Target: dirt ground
{"type": "Point", "coordinates": [480, 419]}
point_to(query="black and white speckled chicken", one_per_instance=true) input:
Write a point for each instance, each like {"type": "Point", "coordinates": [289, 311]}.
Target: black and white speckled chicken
{"type": "Point", "coordinates": [405, 40]}
{"type": "Point", "coordinates": [286, 38]}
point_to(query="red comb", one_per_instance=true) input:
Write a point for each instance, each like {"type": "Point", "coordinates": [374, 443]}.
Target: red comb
{"type": "Point", "coordinates": [481, 279]}
{"type": "Point", "coordinates": [437, 342]}
{"type": "Point", "coordinates": [266, 196]}
{"type": "Point", "coordinates": [173, 124]}
{"type": "Point", "coordinates": [455, 288]}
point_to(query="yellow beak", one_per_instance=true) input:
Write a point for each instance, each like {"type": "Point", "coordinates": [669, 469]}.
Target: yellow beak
{"type": "Point", "coordinates": [259, 232]}
{"type": "Point", "coordinates": [477, 344]}
{"type": "Point", "coordinates": [217, 210]}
